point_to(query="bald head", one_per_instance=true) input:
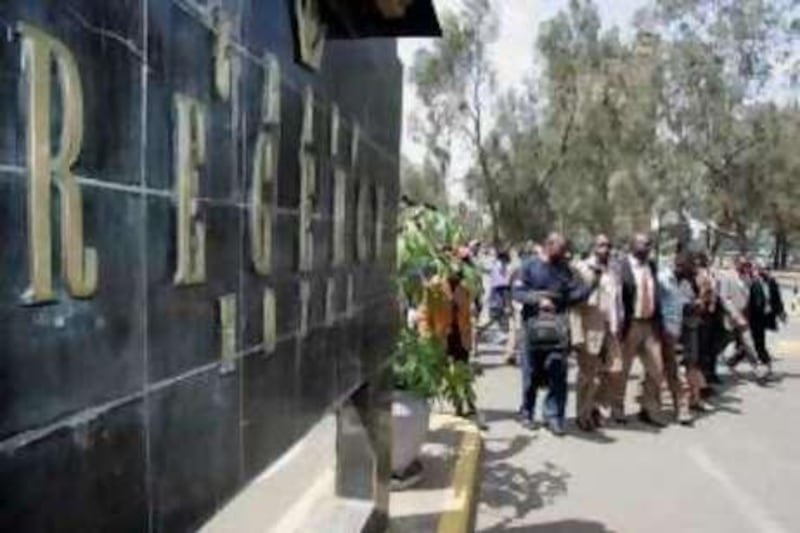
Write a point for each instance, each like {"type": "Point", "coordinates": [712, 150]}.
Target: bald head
{"type": "Point", "coordinates": [602, 248]}
{"type": "Point", "coordinates": [555, 247]}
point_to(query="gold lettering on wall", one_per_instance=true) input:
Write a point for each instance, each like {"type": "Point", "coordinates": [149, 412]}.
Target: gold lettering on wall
{"type": "Point", "coordinates": [362, 218]}
{"type": "Point", "coordinates": [190, 146]}
{"type": "Point", "coordinates": [265, 169]}
{"type": "Point", "coordinates": [339, 192]}
{"type": "Point", "coordinates": [355, 159]}
{"type": "Point", "coordinates": [227, 320]}
{"type": "Point", "coordinates": [330, 301]}
{"type": "Point", "coordinates": [355, 144]}
{"type": "Point", "coordinates": [270, 324]}
{"type": "Point", "coordinates": [40, 52]}
{"type": "Point", "coordinates": [351, 296]}
{"type": "Point", "coordinates": [311, 32]}
{"type": "Point", "coordinates": [379, 227]}
{"type": "Point", "coordinates": [223, 53]}
{"type": "Point", "coordinates": [393, 9]}
{"type": "Point", "coordinates": [305, 297]}
{"type": "Point", "coordinates": [308, 182]}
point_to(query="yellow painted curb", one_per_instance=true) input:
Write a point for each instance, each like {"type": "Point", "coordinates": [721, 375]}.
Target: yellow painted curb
{"type": "Point", "coordinates": [458, 517]}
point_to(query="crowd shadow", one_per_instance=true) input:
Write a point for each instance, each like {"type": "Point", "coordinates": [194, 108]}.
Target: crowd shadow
{"type": "Point", "coordinates": [558, 526]}
{"type": "Point", "coordinates": [507, 486]}
{"type": "Point", "coordinates": [499, 415]}
{"type": "Point", "coordinates": [512, 447]}
{"type": "Point", "coordinates": [780, 376]}
{"type": "Point", "coordinates": [598, 436]}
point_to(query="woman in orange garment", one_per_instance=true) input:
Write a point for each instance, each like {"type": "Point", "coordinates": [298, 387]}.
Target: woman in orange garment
{"type": "Point", "coordinates": [445, 314]}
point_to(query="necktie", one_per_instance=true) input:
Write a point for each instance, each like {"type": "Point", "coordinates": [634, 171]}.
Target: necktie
{"type": "Point", "coordinates": [647, 296]}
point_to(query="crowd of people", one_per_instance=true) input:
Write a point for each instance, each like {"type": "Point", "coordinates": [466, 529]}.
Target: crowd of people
{"type": "Point", "coordinates": [608, 309]}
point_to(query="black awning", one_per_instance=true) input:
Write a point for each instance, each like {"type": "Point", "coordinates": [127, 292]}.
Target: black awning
{"type": "Point", "coordinates": [354, 19]}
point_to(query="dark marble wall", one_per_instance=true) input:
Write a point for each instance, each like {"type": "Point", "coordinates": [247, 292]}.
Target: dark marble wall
{"type": "Point", "coordinates": [116, 413]}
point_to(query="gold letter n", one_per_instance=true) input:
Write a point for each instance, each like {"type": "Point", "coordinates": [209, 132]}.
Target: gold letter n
{"type": "Point", "coordinates": [79, 263]}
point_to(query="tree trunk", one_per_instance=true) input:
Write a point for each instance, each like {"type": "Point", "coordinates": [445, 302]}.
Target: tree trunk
{"type": "Point", "coordinates": [781, 252]}
{"type": "Point", "coordinates": [491, 194]}
{"type": "Point", "coordinates": [715, 241]}
{"type": "Point", "coordinates": [741, 238]}
{"type": "Point", "coordinates": [658, 237]}
{"type": "Point", "coordinates": [776, 250]}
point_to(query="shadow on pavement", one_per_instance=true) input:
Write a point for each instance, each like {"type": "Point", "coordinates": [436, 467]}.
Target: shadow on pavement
{"type": "Point", "coordinates": [499, 415]}
{"type": "Point", "coordinates": [560, 526]}
{"type": "Point", "coordinates": [598, 436]}
{"type": "Point", "coordinates": [513, 447]}
{"type": "Point", "coordinates": [780, 376]}
{"type": "Point", "coordinates": [412, 523]}
{"type": "Point", "coordinates": [505, 485]}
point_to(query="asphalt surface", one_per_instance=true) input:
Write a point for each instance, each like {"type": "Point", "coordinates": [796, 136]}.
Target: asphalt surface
{"type": "Point", "coordinates": [737, 470]}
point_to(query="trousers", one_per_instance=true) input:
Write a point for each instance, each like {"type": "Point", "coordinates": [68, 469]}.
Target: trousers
{"type": "Point", "coordinates": [544, 366]}
{"type": "Point", "coordinates": [597, 375]}
{"type": "Point", "coordinates": [759, 332]}
{"type": "Point", "coordinates": [642, 341]}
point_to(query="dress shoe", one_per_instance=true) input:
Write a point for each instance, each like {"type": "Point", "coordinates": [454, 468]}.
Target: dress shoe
{"type": "Point", "coordinates": [647, 418]}
{"type": "Point", "coordinates": [597, 418]}
{"type": "Point", "coordinates": [556, 427]}
{"type": "Point", "coordinates": [526, 420]}
{"type": "Point", "coordinates": [702, 407]}
{"type": "Point", "coordinates": [707, 392]}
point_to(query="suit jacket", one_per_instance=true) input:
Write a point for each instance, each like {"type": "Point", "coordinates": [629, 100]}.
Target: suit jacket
{"type": "Point", "coordinates": [629, 294]}
{"type": "Point", "coordinates": [590, 324]}
{"type": "Point", "coordinates": [759, 298]}
{"type": "Point", "coordinates": [776, 300]}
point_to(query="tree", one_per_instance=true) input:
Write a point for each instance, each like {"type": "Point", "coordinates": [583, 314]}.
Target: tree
{"type": "Point", "coordinates": [719, 56]}
{"type": "Point", "coordinates": [454, 81]}
{"type": "Point", "coordinates": [422, 184]}
{"type": "Point", "coordinates": [681, 122]}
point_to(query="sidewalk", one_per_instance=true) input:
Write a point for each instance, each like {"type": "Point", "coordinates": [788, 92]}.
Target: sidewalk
{"type": "Point", "coordinates": [444, 501]}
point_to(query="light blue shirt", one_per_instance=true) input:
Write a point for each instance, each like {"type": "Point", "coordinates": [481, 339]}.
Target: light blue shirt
{"type": "Point", "coordinates": [672, 300]}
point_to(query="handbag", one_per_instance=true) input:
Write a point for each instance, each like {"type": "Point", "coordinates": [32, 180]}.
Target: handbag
{"type": "Point", "coordinates": [548, 330]}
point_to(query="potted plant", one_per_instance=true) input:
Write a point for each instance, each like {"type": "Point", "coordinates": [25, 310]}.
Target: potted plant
{"type": "Point", "coordinates": [423, 373]}
{"type": "Point", "coordinates": [418, 367]}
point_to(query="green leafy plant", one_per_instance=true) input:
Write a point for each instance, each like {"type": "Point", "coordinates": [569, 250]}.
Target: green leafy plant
{"type": "Point", "coordinates": [457, 386]}
{"type": "Point", "coordinates": [426, 239]}
{"type": "Point", "coordinates": [422, 368]}
{"type": "Point", "coordinates": [419, 364]}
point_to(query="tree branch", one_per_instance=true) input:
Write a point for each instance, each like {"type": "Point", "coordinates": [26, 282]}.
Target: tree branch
{"type": "Point", "coordinates": [546, 176]}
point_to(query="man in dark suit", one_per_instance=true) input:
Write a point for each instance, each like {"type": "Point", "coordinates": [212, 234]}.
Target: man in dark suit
{"type": "Point", "coordinates": [764, 309]}
{"type": "Point", "coordinates": [641, 328]}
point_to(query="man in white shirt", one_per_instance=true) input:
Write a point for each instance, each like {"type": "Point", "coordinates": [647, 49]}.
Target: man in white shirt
{"type": "Point", "coordinates": [734, 291]}
{"type": "Point", "coordinates": [641, 329]}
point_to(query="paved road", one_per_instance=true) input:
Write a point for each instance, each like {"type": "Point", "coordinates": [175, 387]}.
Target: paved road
{"type": "Point", "coordinates": [737, 470]}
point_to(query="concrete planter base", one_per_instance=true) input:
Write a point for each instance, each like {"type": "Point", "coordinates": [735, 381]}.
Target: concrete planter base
{"type": "Point", "coordinates": [410, 419]}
